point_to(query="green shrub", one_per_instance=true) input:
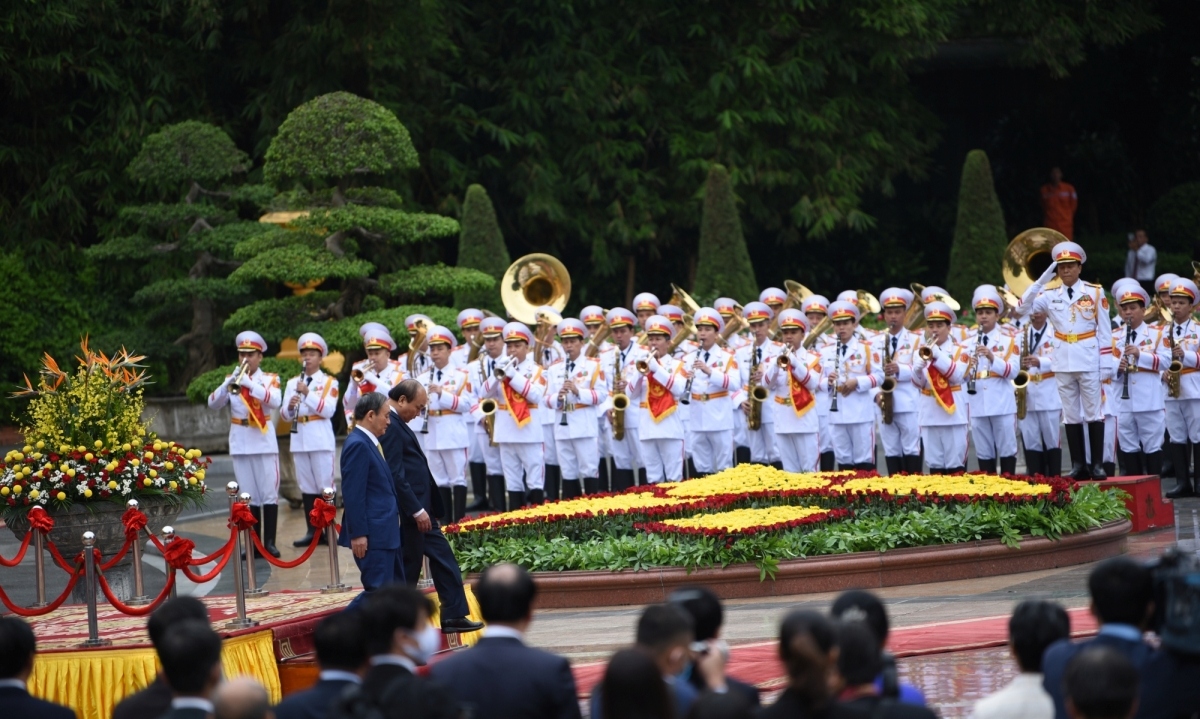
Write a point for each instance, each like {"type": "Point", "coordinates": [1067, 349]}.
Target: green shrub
{"type": "Point", "coordinates": [724, 268]}
{"type": "Point", "coordinates": [979, 234]}
{"type": "Point", "coordinates": [1173, 222]}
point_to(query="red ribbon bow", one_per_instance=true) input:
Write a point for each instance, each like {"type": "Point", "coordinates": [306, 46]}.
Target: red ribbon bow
{"type": "Point", "coordinates": [40, 519]}
{"type": "Point", "coordinates": [79, 559]}
{"type": "Point", "coordinates": [134, 521]}
{"type": "Point", "coordinates": [241, 517]}
{"type": "Point", "coordinates": [178, 553]}
{"type": "Point", "coordinates": [322, 514]}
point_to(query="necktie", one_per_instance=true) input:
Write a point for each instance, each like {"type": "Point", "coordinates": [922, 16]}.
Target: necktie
{"type": "Point", "coordinates": [570, 367]}
{"type": "Point", "coordinates": [439, 375]}
{"type": "Point", "coordinates": [985, 339]}
{"type": "Point", "coordinates": [380, 448]}
{"type": "Point", "coordinates": [758, 354]}
{"type": "Point", "coordinates": [491, 367]}
{"type": "Point", "coordinates": [1070, 293]}
{"type": "Point", "coordinates": [842, 350]}
{"type": "Point", "coordinates": [1178, 329]}
{"type": "Point", "coordinates": [706, 357]}
{"type": "Point", "coordinates": [894, 340]}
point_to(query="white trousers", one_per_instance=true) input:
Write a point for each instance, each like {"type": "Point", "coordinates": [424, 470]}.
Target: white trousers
{"type": "Point", "coordinates": [945, 446]}
{"type": "Point", "coordinates": [258, 474]}
{"type": "Point", "coordinates": [1080, 395]}
{"type": "Point", "coordinates": [663, 459]}
{"type": "Point", "coordinates": [314, 470]}
{"type": "Point", "coordinates": [549, 444]}
{"type": "Point", "coordinates": [798, 452]}
{"type": "Point", "coordinates": [902, 436]}
{"type": "Point", "coordinates": [824, 434]}
{"type": "Point", "coordinates": [995, 436]}
{"type": "Point", "coordinates": [579, 458]}
{"type": "Point", "coordinates": [739, 428]}
{"type": "Point", "coordinates": [1040, 430]}
{"type": "Point", "coordinates": [854, 443]}
{"type": "Point", "coordinates": [491, 455]}
{"type": "Point", "coordinates": [762, 442]}
{"type": "Point", "coordinates": [522, 458]}
{"type": "Point", "coordinates": [446, 466]}
{"type": "Point", "coordinates": [1183, 420]}
{"type": "Point", "coordinates": [1141, 431]}
{"type": "Point", "coordinates": [474, 451]}
{"type": "Point", "coordinates": [626, 453]}
{"type": "Point", "coordinates": [712, 451]}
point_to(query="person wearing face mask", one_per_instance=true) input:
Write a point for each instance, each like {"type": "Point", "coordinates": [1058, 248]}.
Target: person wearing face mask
{"type": "Point", "coordinates": [707, 614]}
{"type": "Point", "coordinates": [398, 637]}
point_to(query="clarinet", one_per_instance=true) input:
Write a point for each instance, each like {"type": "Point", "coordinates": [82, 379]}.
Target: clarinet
{"type": "Point", "coordinates": [837, 370]}
{"type": "Point", "coordinates": [687, 388]}
{"type": "Point", "coordinates": [296, 420]}
{"type": "Point", "coordinates": [1125, 380]}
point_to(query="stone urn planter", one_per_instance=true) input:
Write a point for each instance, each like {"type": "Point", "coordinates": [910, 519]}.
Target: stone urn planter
{"type": "Point", "coordinates": [104, 520]}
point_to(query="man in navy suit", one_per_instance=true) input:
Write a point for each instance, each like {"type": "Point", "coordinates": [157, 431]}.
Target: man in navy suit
{"type": "Point", "coordinates": [17, 649]}
{"type": "Point", "coordinates": [1123, 603]}
{"type": "Point", "coordinates": [342, 655]}
{"type": "Point", "coordinates": [420, 502]}
{"type": "Point", "coordinates": [500, 677]}
{"type": "Point", "coordinates": [155, 700]}
{"type": "Point", "coordinates": [191, 662]}
{"type": "Point", "coordinates": [370, 521]}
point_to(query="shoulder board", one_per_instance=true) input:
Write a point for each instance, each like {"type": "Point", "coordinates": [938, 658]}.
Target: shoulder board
{"type": "Point", "coordinates": [1093, 284]}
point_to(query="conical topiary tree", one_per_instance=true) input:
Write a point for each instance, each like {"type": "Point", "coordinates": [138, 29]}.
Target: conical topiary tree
{"type": "Point", "coordinates": [481, 247]}
{"type": "Point", "coordinates": [724, 268]}
{"type": "Point", "coordinates": [979, 235]}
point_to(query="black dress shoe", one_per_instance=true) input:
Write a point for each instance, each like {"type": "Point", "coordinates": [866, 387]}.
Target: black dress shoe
{"type": "Point", "coordinates": [458, 625]}
{"type": "Point", "coordinates": [271, 550]}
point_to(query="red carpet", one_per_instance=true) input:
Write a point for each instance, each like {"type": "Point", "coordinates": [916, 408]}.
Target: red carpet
{"type": "Point", "coordinates": [758, 663]}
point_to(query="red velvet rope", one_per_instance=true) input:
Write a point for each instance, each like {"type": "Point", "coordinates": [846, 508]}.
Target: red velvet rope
{"type": "Point", "coordinates": [119, 555]}
{"type": "Point", "coordinates": [241, 516]}
{"type": "Point", "coordinates": [58, 557]}
{"type": "Point", "coordinates": [178, 553]}
{"type": "Point", "coordinates": [22, 611]}
{"type": "Point", "coordinates": [312, 546]}
{"type": "Point", "coordinates": [135, 521]}
{"type": "Point", "coordinates": [39, 520]}
{"type": "Point", "coordinates": [20, 552]}
{"type": "Point", "coordinates": [202, 578]}
{"type": "Point", "coordinates": [322, 514]}
{"type": "Point", "coordinates": [136, 611]}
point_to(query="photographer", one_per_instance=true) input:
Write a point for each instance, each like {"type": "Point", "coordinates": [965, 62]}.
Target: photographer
{"type": "Point", "coordinates": [1141, 260]}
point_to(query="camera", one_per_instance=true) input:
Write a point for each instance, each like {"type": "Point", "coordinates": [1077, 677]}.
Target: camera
{"type": "Point", "coordinates": [1176, 580]}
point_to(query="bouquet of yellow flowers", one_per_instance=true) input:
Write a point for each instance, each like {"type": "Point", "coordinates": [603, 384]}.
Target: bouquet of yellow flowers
{"type": "Point", "coordinates": [85, 441]}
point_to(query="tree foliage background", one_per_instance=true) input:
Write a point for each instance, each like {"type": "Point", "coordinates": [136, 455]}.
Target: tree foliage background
{"type": "Point", "coordinates": [593, 125]}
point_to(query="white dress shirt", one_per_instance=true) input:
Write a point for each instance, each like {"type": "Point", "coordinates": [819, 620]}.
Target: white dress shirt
{"type": "Point", "coordinates": [1022, 698]}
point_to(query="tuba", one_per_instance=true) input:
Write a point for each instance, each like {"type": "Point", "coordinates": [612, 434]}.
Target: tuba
{"type": "Point", "coordinates": [531, 282]}
{"type": "Point", "coordinates": [810, 340]}
{"type": "Point", "coordinates": [414, 346]}
{"type": "Point", "coordinates": [543, 335]}
{"type": "Point", "coordinates": [736, 324]}
{"type": "Point", "coordinates": [683, 301]}
{"type": "Point", "coordinates": [1027, 257]}
{"type": "Point", "coordinates": [796, 294]}
{"type": "Point", "coordinates": [596, 343]}
{"type": "Point", "coordinates": [914, 319]}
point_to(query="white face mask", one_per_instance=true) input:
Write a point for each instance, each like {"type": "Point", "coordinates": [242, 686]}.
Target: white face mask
{"type": "Point", "coordinates": [429, 641]}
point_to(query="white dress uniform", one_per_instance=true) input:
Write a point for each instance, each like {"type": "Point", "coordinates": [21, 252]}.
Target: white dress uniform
{"type": "Point", "coordinates": [520, 443]}
{"type": "Point", "coordinates": [902, 438]}
{"type": "Point", "coordinates": [943, 431]}
{"type": "Point", "coordinates": [662, 438]}
{"type": "Point", "coordinates": [626, 453]}
{"type": "Point", "coordinates": [993, 407]}
{"type": "Point", "coordinates": [313, 445]}
{"type": "Point", "coordinates": [476, 376]}
{"type": "Point", "coordinates": [1041, 428]}
{"type": "Point", "coordinates": [1183, 412]}
{"type": "Point", "coordinates": [761, 441]}
{"type": "Point", "coordinates": [578, 441]}
{"type": "Point", "coordinates": [711, 411]}
{"type": "Point", "coordinates": [252, 443]}
{"type": "Point", "coordinates": [448, 414]}
{"type": "Point", "coordinates": [796, 429]}
{"type": "Point", "coordinates": [1141, 419]}
{"type": "Point", "coordinates": [853, 424]}
{"type": "Point", "coordinates": [373, 380]}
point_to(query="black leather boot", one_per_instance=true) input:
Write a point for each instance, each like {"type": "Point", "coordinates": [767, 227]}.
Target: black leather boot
{"type": "Point", "coordinates": [496, 492]}
{"type": "Point", "coordinates": [1096, 440]}
{"type": "Point", "coordinates": [893, 465]}
{"type": "Point", "coordinates": [270, 515]}
{"type": "Point", "coordinates": [1130, 463]}
{"type": "Point", "coordinates": [955, 470]}
{"type": "Point", "coordinates": [460, 504]}
{"type": "Point", "coordinates": [553, 476]}
{"type": "Point", "coordinates": [622, 479]}
{"type": "Point", "coordinates": [1035, 462]}
{"type": "Point", "coordinates": [828, 461]}
{"type": "Point", "coordinates": [602, 481]}
{"type": "Point", "coordinates": [1079, 468]}
{"type": "Point", "coordinates": [1054, 462]}
{"type": "Point", "coordinates": [936, 470]}
{"type": "Point", "coordinates": [1183, 478]}
{"type": "Point", "coordinates": [479, 483]}
{"type": "Point", "coordinates": [516, 500]}
{"type": "Point", "coordinates": [1152, 463]}
{"type": "Point", "coordinates": [307, 501]}
{"type": "Point", "coordinates": [1110, 469]}
{"type": "Point", "coordinates": [741, 455]}
{"type": "Point", "coordinates": [447, 505]}
{"type": "Point", "coordinates": [987, 465]}
{"type": "Point", "coordinates": [866, 467]}
{"type": "Point", "coordinates": [570, 488]}
{"type": "Point", "coordinates": [641, 475]}
{"type": "Point", "coordinates": [777, 465]}
{"type": "Point", "coordinates": [691, 470]}
{"type": "Point", "coordinates": [912, 463]}
{"type": "Point", "coordinates": [1008, 465]}
{"type": "Point", "coordinates": [256, 512]}
{"type": "Point", "coordinates": [591, 485]}
{"type": "Point", "coordinates": [1168, 465]}
{"type": "Point", "coordinates": [536, 497]}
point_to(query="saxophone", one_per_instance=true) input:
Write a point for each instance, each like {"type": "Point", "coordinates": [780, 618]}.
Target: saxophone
{"type": "Point", "coordinates": [488, 406]}
{"type": "Point", "coordinates": [620, 401]}
{"type": "Point", "coordinates": [758, 393]}
{"type": "Point", "coordinates": [887, 401]}
{"type": "Point", "coordinates": [1176, 367]}
{"type": "Point", "coordinates": [1021, 381]}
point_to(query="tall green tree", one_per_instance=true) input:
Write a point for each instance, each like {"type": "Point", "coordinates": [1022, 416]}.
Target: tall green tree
{"type": "Point", "coordinates": [724, 269]}
{"type": "Point", "coordinates": [979, 234]}
{"type": "Point", "coordinates": [481, 247]}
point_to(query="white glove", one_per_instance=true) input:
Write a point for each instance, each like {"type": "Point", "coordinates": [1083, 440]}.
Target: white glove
{"type": "Point", "coordinates": [1049, 274]}
{"type": "Point", "coordinates": [510, 370]}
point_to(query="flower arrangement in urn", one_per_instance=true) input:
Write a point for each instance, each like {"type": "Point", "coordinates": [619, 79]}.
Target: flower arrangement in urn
{"type": "Point", "coordinates": [86, 443]}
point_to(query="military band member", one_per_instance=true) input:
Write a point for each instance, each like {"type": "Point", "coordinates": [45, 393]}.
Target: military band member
{"type": "Point", "coordinates": [714, 377]}
{"type": "Point", "coordinates": [851, 369]}
{"type": "Point", "coordinates": [1181, 343]}
{"type": "Point", "coordinates": [645, 306]}
{"type": "Point", "coordinates": [851, 296]}
{"type": "Point", "coordinates": [1162, 289]}
{"type": "Point", "coordinates": [675, 315]}
{"type": "Point", "coordinates": [377, 373]}
{"type": "Point", "coordinates": [620, 367]}
{"type": "Point", "coordinates": [492, 331]}
{"type": "Point", "coordinates": [469, 321]}
{"type": "Point", "coordinates": [993, 408]}
{"type": "Point", "coordinates": [1141, 418]}
{"type": "Point", "coordinates": [753, 357]}
{"type": "Point", "coordinates": [943, 414]}
{"type": "Point", "coordinates": [1078, 311]}
{"type": "Point", "coordinates": [773, 297]}
{"type": "Point", "coordinates": [1043, 416]}
{"type": "Point", "coordinates": [959, 333]}
{"type": "Point", "coordinates": [547, 351]}
{"type": "Point", "coordinates": [468, 325]}
{"type": "Point", "coordinates": [895, 347]}
{"type": "Point", "coordinates": [592, 317]}
{"type": "Point", "coordinates": [728, 308]}
{"type": "Point", "coordinates": [518, 390]}
{"type": "Point", "coordinates": [252, 443]}
{"type": "Point", "coordinates": [661, 429]}
{"type": "Point", "coordinates": [309, 401]}
{"type": "Point", "coordinates": [816, 309]}
{"type": "Point", "coordinates": [575, 387]}
{"type": "Point", "coordinates": [449, 433]}
{"type": "Point", "coordinates": [795, 388]}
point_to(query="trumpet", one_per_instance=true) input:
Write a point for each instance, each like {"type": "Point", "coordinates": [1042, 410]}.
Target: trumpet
{"type": "Point", "coordinates": [501, 366]}
{"type": "Point", "coordinates": [356, 375]}
{"type": "Point", "coordinates": [488, 407]}
{"type": "Point", "coordinates": [239, 374]}
{"type": "Point", "coordinates": [925, 351]}
{"type": "Point", "coordinates": [783, 361]}
{"type": "Point", "coordinates": [643, 366]}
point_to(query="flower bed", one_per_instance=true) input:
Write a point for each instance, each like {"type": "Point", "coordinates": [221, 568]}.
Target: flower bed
{"type": "Point", "coordinates": [761, 515]}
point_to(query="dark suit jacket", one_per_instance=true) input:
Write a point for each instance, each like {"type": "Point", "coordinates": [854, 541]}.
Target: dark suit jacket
{"type": "Point", "coordinates": [368, 495]}
{"type": "Point", "coordinates": [501, 678]}
{"type": "Point", "coordinates": [18, 703]}
{"type": "Point", "coordinates": [186, 713]}
{"type": "Point", "coordinates": [380, 676]}
{"type": "Point", "coordinates": [1159, 675]}
{"type": "Point", "coordinates": [415, 488]}
{"type": "Point", "coordinates": [315, 703]}
{"type": "Point", "coordinates": [789, 705]}
{"type": "Point", "coordinates": [153, 701]}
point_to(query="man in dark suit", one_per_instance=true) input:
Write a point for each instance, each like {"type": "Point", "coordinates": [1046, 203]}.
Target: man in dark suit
{"type": "Point", "coordinates": [707, 616]}
{"type": "Point", "coordinates": [190, 653]}
{"type": "Point", "coordinates": [155, 700]}
{"type": "Point", "coordinates": [398, 638]}
{"type": "Point", "coordinates": [242, 698]}
{"type": "Point", "coordinates": [341, 653]}
{"type": "Point", "coordinates": [500, 677]}
{"type": "Point", "coordinates": [1123, 603]}
{"type": "Point", "coordinates": [370, 520]}
{"type": "Point", "coordinates": [420, 502]}
{"type": "Point", "coordinates": [17, 649]}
